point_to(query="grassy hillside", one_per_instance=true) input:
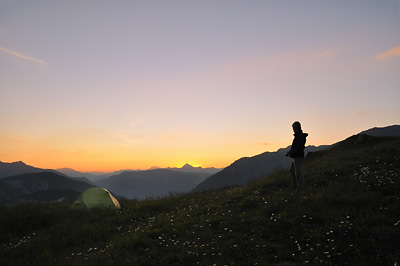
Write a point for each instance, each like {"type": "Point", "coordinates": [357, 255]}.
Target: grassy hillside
{"type": "Point", "coordinates": [348, 214]}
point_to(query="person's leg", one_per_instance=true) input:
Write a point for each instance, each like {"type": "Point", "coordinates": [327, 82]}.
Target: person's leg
{"type": "Point", "coordinates": [298, 165]}
{"type": "Point", "coordinates": [292, 171]}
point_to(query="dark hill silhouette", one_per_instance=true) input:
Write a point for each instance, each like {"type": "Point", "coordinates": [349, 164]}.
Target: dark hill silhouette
{"type": "Point", "coordinates": [152, 183]}
{"type": "Point", "coordinates": [19, 186]}
{"type": "Point", "coordinates": [249, 168]}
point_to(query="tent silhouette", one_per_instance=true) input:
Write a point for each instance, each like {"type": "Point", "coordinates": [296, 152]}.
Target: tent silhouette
{"type": "Point", "coordinates": [96, 197]}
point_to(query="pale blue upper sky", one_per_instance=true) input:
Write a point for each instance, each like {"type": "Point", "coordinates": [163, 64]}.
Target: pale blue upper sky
{"type": "Point", "coordinates": [185, 78]}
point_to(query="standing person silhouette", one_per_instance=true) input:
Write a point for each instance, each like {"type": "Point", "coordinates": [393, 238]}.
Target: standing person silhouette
{"type": "Point", "coordinates": [296, 152]}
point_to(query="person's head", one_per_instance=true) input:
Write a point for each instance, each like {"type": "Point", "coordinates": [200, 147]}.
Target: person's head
{"type": "Point", "coordinates": [296, 127]}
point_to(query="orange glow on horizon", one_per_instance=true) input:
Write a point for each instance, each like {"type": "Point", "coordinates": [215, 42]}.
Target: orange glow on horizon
{"type": "Point", "coordinates": [98, 151]}
{"type": "Point", "coordinates": [110, 160]}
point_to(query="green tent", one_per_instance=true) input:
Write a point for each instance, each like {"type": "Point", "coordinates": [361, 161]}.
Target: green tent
{"type": "Point", "coordinates": [96, 197]}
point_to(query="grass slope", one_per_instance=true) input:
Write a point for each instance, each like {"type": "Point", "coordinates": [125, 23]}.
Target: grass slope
{"type": "Point", "coordinates": [348, 214]}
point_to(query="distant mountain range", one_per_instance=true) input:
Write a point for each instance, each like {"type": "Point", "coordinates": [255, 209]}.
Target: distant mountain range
{"type": "Point", "coordinates": [18, 178]}
{"type": "Point", "coordinates": [23, 183]}
{"type": "Point", "coordinates": [99, 176]}
{"type": "Point", "coordinates": [248, 168]}
{"type": "Point", "coordinates": [152, 183]}
{"type": "Point", "coordinates": [190, 169]}
{"type": "Point", "coordinates": [141, 184]}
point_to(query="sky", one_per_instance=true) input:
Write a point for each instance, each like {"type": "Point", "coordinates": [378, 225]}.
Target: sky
{"type": "Point", "coordinates": [101, 85]}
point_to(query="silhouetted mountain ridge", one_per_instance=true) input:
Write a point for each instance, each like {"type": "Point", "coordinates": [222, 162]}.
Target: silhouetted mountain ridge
{"type": "Point", "coordinates": [100, 176]}
{"type": "Point", "coordinates": [191, 169]}
{"type": "Point", "coordinates": [389, 131]}
{"type": "Point", "coordinates": [248, 168]}
{"type": "Point", "coordinates": [17, 168]}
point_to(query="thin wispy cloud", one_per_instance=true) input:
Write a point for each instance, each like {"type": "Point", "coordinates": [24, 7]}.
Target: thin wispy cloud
{"type": "Point", "coordinates": [25, 57]}
{"type": "Point", "coordinates": [395, 51]}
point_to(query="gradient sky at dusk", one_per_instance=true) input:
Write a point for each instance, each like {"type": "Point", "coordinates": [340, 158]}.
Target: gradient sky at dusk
{"type": "Point", "coordinates": [110, 85]}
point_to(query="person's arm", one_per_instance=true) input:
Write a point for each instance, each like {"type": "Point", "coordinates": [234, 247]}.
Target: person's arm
{"type": "Point", "coordinates": [293, 148]}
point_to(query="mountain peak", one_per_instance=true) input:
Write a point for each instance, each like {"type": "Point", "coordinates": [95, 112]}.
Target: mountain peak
{"type": "Point", "coordinates": [187, 166]}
